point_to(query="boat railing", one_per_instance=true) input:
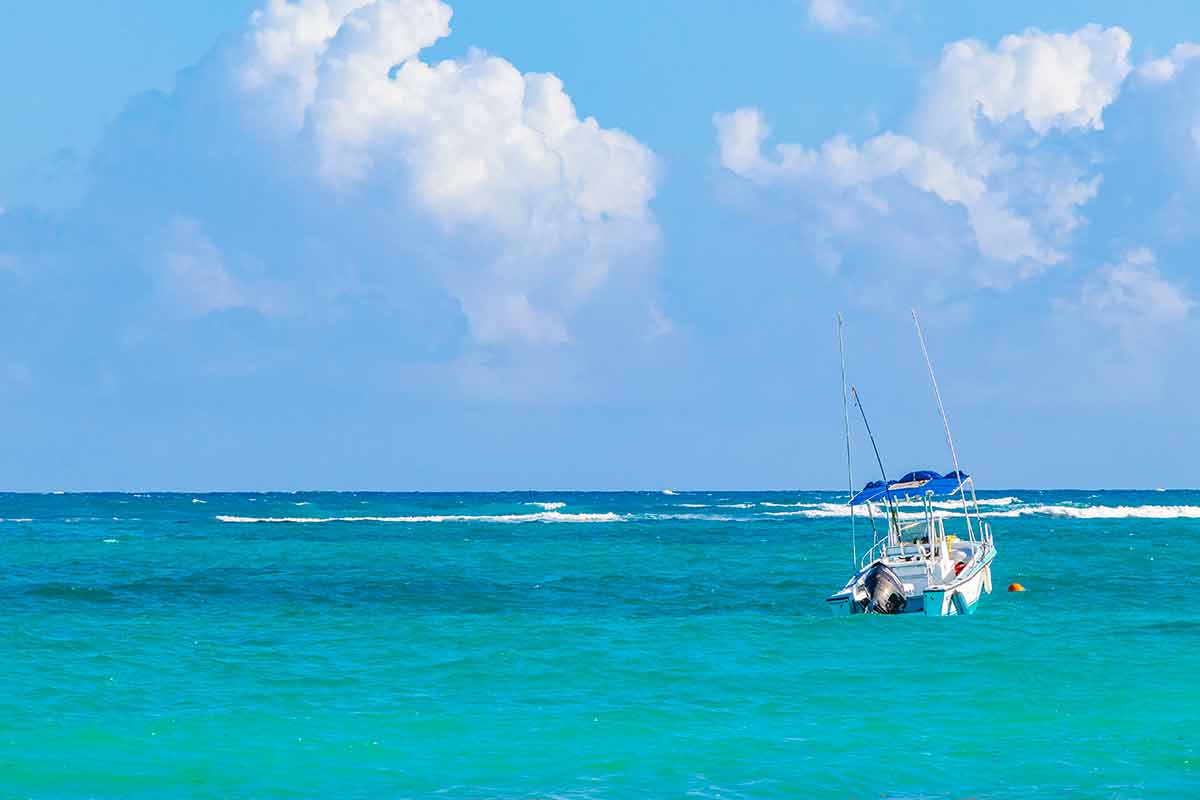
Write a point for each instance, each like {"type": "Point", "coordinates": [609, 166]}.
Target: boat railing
{"type": "Point", "coordinates": [935, 523]}
{"type": "Point", "coordinates": [875, 551]}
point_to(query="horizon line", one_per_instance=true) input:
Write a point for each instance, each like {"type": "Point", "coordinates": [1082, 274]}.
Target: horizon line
{"type": "Point", "coordinates": [667, 491]}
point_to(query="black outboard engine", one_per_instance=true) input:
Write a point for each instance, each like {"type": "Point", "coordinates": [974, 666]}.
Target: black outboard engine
{"type": "Point", "coordinates": [885, 591]}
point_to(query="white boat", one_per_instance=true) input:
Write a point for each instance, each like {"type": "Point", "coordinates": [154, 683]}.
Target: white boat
{"type": "Point", "coordinates": [915, 564]}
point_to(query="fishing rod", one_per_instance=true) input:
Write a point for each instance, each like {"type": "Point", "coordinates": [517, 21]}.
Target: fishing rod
{"type": "Point", "coordinates": [887, 489]}
{"type": "Point", "coordinates": [937, 395]}
{"type": "Point", "coordinates": [849, 459]}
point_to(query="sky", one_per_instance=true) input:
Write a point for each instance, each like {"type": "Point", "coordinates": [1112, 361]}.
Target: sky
{"type": "Point", "coordinates": [425, 245]}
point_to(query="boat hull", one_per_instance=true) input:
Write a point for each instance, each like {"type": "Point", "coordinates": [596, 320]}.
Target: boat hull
{"type": "Point", "coordinates": [962, 596]}
{"type": "Point", "coordinates": [959, 597]}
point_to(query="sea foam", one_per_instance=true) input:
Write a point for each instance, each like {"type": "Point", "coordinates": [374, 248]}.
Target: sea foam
{"type": "Point", "coordinates": [826, 510]}
{"type": "Point", "coordinates": [1103, 512]}
{"type": "Point", "coordinates": [701, 517]}
{"type": "Point", "coordinates": [541, 516]}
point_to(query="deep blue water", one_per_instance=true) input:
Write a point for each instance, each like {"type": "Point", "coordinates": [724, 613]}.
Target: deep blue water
{"type": "Point", "coordinates": [619, 645]}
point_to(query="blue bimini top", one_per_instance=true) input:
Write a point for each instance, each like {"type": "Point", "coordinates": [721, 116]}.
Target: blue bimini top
{"type": "Point", "coordinates": [913, 486]}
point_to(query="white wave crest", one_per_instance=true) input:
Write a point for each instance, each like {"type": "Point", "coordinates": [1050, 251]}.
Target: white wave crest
{"type": "Point", "coordinates": [821, 510]}
{"type": "Point", "coordinates": [692, 505]}
{"type": "Point", "coordinates": [736, 505]}
{"type": "Point", "coordinates": [999, 501]}
{"type": "Point", "coordinates": [944, 504]}
{"type": "Point", "coordinates": [694, 517]}
{"type": "Point", "coordinates": [1103, 512]}
{"type": "Point", "coordinates": [830, 510]}
{"type": "Point", "coordinates": [198, 500]}
{"type": "Point", "coordinates": [983, 501]}
{"type": "Point", "coordinates": [669, 491]}
{"type": "Point", "coordinates": [547, 506]}
{"type": "Point", "coordinates": [541, 516]}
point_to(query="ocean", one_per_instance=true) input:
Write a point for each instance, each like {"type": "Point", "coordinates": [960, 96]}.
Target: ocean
{"type": "Point", "coordinates": [584, 645]}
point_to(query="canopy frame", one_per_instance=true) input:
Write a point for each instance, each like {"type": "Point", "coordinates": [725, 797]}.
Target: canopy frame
{"type": "Point", "coordinates": [914, 486]}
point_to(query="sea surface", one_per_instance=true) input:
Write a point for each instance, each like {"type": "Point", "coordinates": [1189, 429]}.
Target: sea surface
{"type": "Point", "coordinates": [584, 645]}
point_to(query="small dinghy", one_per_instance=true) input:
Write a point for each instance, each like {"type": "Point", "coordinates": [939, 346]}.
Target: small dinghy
{"type": "Point", "coordinates": [914, 564]}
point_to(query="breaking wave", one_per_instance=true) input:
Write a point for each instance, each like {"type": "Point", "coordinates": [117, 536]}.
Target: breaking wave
{"type": "Point", "coordinates": [942, 504]}
{"type": "Point", "coordinates": [694, 517]}
{"type": "Point", "coordinates": [547, 506]}
{"type": "Point", "coordinates": [983, 501]}
{"type": "Point", "coordinates": [819, 510]}
{"type": "Point", "coordinates": [829, 510]}
{"type": "Point", "coordinates": [1104, 512]}
{"type": "Point", "coordinates": [541, 516]}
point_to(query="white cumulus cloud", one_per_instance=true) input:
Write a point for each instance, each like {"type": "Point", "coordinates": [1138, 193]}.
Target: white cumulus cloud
{"type": "Point", "coordinates": [490, 155]}
{"type": "Point", "coordinates": [350, 166]}
{"type": "Point", "coordinates": [1127, 327]}
{"type": "Point", "coordinates": [1161, 70]}
{"type": "Point", "coordinates": [1050, 80]}
{"type": "Point", "coordinates": [962, 149]}
{"type": "Point", "coordinates": [838, 16]}
{"type": "Point", "coordinates": [193, 277]}
{"type": "Point", "coordinates": [1133, 297]}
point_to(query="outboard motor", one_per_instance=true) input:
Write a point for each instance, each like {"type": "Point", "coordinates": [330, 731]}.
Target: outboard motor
{"type": "Point", "coordinates": [885, 591]}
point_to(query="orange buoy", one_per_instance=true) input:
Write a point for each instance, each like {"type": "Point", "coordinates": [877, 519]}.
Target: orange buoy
{"type": "Point", "coordinates": [1016, 587]}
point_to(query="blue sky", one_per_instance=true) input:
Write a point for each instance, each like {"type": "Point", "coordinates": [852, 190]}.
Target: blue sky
{"type": "Point", "coordinates": [258, 245]}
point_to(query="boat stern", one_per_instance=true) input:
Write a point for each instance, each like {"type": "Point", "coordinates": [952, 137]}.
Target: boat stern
{"type": "Point", "coordinates": [840, 604]}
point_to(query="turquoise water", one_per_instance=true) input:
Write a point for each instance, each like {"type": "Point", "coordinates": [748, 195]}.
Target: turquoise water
{"type": "Point", "coordinates": [619, 645]}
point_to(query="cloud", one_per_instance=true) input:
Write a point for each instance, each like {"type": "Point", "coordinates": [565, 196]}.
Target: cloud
{"type": "Point", "coordinates": [312, 170]}
{"type": "Point", "coordinates": [1051, 81]}
{"type": "Point", "coordinates": [1126, 326]}
{"type": "Point", "coordinates": [193, 278]}
{"type": "Point", "coordinates": [483, 150]}
{"type": "Point", "coordinates": [1132, 297]}
{"type": "Point", "coordinates": [1155, 138]}
{"type": "Point", "coordinates": [838, 16]}
{"type": "Point", "coordinates": [974, 142]}
{"type": "Point", "coordinates": [1161, 70]}
{"type": "Point", "coordinates": [740, 137]}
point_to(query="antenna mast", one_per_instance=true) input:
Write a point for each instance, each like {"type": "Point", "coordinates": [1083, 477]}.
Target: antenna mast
{"type": "Point", "coordinates": [945, 422]}
{"type": "Point", "coordinates": [849, 458]}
